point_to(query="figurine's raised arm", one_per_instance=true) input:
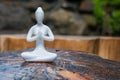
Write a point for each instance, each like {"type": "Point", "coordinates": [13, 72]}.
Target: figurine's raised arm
{"type": "Point", "coordinates": [31, 38]}
{"type": "Point", "coordinates": [50, 36]}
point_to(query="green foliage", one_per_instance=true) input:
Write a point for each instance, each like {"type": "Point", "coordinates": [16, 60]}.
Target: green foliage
{"type": "Point", "coordinates": [115, 24]}
{"type": "Point", "coordinates": [111, 17]}
{"type": "Point", "coordinates": [113, 2]}
{"type": "Point", "coordinates": [98, 10]}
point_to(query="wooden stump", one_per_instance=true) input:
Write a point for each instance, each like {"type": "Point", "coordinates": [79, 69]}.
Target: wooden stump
{"type": "Point", "coordinates": [109, 48]}
{"type": "Point", "coordinates": [18, 42]}
{"type": "Point", "coordinates": [4, 43]}
{"type": "Point", "coordinates": [69, 65]}
{"type": "Point", "coordinates": [106, 47]}
{"type": "Point", "coordinates": [14, 42]}
{"type": "Point", "coordinates": [88, 44]}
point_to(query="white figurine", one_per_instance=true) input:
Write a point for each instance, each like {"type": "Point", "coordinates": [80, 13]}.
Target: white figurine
{"type": "Point", "coordinates": [39, 33]}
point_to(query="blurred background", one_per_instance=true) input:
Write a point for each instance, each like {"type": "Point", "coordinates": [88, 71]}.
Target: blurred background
{"type": "Point", "coordinates": [77, 25]}
{"type": "Point", "coordinates": [64, 17]}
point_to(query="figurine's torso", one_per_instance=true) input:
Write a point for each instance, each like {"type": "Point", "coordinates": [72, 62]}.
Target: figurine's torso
{"type": "Point", "coordinates": [39, 30]}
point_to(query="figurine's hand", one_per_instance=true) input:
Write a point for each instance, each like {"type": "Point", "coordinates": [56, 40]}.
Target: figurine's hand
{"type": "Point", "coordinates": [40, 34]}
{"type": "Point", "coordinates": [35, 32]}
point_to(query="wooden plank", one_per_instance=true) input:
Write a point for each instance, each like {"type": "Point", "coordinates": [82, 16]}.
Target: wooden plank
{"type": "Point", "coordinates": [4, 43]}
{"type": "Point", "coordinates": [49, 44]}
{"type": "Point", "coordinates": [106, 47]}
{"type": "Point", "coordinates": [14, 42]}
{"type": "Point", "coordinates": [77, 43]}
{"type": "Point", "coordinates": [109, 48]}
{"type": "Point", "coordinates": [19, 44]}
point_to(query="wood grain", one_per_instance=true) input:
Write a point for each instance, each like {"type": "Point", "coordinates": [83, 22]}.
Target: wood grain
{"type": "Point", "coordinates": [106, 47]}
{"type": "Point", "coordinates": [109, 48]}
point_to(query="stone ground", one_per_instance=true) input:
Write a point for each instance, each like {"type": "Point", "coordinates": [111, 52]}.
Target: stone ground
{"type": "Point", "coordinates": [69, 65]}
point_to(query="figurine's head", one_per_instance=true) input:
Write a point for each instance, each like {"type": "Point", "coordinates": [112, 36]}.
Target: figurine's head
{"type": "Point", "coordinates": [39, 15]}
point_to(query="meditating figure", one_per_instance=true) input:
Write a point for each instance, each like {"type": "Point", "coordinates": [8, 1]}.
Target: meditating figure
{"type": "Point", "coordinates": [39, 33]}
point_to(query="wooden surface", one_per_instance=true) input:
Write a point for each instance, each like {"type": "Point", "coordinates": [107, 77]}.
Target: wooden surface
{"type": "Point", "coordinates": [73, 43]}
{"type": "Point", "coordinates": [106, 47]}
{"type": "Point", "coordinates": [109, 48]}
{"type": "Point", "coordinates": [69, 65]}
{"type": "Point", "coordinates": [18, 42]}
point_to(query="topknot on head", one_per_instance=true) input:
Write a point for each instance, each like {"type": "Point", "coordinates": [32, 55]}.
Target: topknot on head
{"type": "Point", "coordinates": [39, 10]}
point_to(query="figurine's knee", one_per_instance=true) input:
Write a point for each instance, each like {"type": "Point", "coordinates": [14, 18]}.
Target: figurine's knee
{"type": "Point", "coordinates": [55, 55]}
{"type": "Point", "coordinates": [24, 54]}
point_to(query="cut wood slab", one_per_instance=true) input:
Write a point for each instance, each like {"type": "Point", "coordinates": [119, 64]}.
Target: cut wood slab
{"type": "Point", "coordinates": [3, 43]}
{"type": "Point", "coordinates": [106, 47]}
{"type": "Point", "coordinates": [88, 44]}
{"type": "Point", "coordinates": [109, 48]}
{"type": "Point", "coordinates": [69, 65]}
{"type": "Point", "coordinates": [18, 42]}
{"type": "Point", "coordinates": [14, 42]}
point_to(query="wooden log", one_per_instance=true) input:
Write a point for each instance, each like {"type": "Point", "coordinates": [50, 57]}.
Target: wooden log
{"type": "Point", "coordinates": [109, 48]}
{"type": "Point", "coordinates": [4, 43]}
{"type": "Point", "coordinates": [19, 44]}
{"type": "Point", "coordinates": [106, 47]}
{"type": "Point", "coordinates": [49, 44]}
{"type": "Point", "coordinates": [14, 42]}
{"type": "Point", "coordinates": [88, 44]}
{"type": "Point", "coordinates": [69, 65]}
